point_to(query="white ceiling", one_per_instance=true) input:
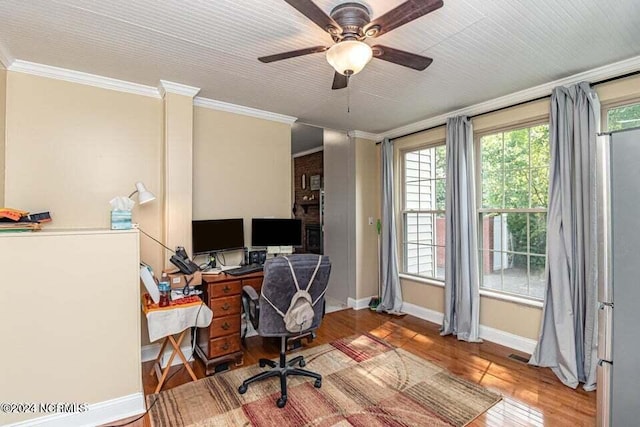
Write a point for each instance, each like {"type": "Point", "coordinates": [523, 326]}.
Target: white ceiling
{"type": "Point", "coordinates": [482, 49]}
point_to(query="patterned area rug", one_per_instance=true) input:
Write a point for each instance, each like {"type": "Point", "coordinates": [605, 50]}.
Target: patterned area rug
{"type": "Point", "coordinates": [366, 382]}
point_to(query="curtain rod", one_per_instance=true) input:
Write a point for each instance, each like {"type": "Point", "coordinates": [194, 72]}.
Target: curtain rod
{"type": "Point", "coordinates": [599, 82]}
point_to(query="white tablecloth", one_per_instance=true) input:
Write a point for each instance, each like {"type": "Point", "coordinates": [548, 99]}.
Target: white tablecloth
{"type": "Point", "coordinates": [167, 321]}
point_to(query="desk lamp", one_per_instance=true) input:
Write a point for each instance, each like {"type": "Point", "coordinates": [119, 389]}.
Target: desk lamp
{"type": "Point", "coordinates": [144, 195]}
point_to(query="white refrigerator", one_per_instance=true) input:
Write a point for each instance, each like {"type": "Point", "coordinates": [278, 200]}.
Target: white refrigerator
{"type": "Point", "coordinates": [618, 376]}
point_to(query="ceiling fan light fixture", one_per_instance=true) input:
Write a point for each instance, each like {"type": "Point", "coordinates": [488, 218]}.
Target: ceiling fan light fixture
{"type": "Point", "coordinates": [349, 57]}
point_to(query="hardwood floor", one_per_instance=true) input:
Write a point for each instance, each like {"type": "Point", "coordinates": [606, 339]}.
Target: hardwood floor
{"type": "Point", "coordinates": [531, 396]}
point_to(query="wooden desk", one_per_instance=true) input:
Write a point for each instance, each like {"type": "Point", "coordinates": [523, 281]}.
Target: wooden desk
{"type": "Point", "coordinates": [220, 342]}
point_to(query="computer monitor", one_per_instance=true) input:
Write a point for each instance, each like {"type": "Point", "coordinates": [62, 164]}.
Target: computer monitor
{"type": "Point", "coordinates": [276, 232]}
{"type": "Point", "coordinates": [214, 235]}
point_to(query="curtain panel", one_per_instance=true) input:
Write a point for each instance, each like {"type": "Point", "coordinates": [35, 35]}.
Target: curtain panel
{"type": "Point", "coordinates": [462, 293]}
{"type": "Point", "coordinates": [568, 340]}
{"type": "Point", "coordinates": [391, 301]}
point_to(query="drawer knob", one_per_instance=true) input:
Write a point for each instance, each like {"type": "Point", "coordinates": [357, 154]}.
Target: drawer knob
{"type": "Point", "coordinates": [225, 346]}
{"type": "Point", "coordinates": [225, 326]}
{"type": "Point", "coordinates": [226, 289]}
{"type": "Point", "coordinates": [226, 306]}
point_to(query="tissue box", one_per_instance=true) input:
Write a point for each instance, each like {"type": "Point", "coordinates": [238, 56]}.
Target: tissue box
{"type": "Point", "coordinates": [120, 220]}
{"type": "Point", "coordinates": [179, 280]}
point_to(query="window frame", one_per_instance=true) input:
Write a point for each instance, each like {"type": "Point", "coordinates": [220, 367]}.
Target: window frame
{"type": "Point", "coordinates": [403, 211]}
{"type": "Point", "coordinates": [480, 210]}
{"type": "Point", "coordinates": [604, 114]}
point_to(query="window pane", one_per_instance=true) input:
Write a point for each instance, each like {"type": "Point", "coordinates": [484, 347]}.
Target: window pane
{"type": "Point", "coordinates": [514, 176]}
{"type": "Point", "coordinates": [440, 262]}
{"type": "Point", "coordinates": [492, 170]}
{"type": "Point", "coordinates": [516, 229]}
{"type": "Point", "coordinates": [539, 146]}
{"type": "Point", "coordinates": [424, 244]}
{"type": "Point", "coordinates": [515, 275]}
{"type": "Point", "coordinates": [539, 187]}
{"type": "Point", "coordinates": [538, 233]}
{"type": "Point", "coordinates": [516, 188]}
{"type": "Point", "coordinates": [492, 264]}
{"type": "Point", "coordinates": [537, 278]}
{"type": "Point", "coordinates": [441, 193]}
{"type": "Point", "coordinates": [441, 161]}
{"type": "Point", "coordinates": [624, 117]}
{"type": "Point", "coordinates": [516, 149]}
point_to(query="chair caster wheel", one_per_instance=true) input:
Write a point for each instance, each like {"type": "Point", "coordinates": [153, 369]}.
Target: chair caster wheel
{"type": "Point", "coordinates": [302, 363]}
{"type": "Point", "coordinates": [281, 402]}
{"type": "Point", "coordinates": [317, 384]}
{"type": "Point", "coordinates": [242, 389]}
{"type": "Point", "coordinates": [262, 364]}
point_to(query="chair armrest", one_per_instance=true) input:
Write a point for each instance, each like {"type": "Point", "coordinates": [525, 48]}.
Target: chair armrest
{"type": "Point", "coordinates": [251, 306]}
{"type": "Point", "coordinates": [251, 293]}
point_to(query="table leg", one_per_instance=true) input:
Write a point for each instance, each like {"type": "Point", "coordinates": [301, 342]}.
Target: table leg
{"type": "Point", "coordinates": [185, 362]}
{"type": "Point", "coordinates": [176, 350]}
{"type": "Point", "coordinates": [159, 358]}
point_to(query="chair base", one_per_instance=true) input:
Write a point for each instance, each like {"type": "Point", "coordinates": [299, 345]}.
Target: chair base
{"type": "Point", "coordinates": [282, 370]}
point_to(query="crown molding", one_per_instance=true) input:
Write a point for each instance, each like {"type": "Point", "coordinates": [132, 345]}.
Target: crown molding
{"type": "Point", "coordinates": [82, 78]}
{"type": "Point", "coordinates": [307, 152]}
{"type": "Point", "coordinates": [177, 88]}
{"type": "Point", "coordinates": [246, 111]}
{"type": "Point", "coordinates": [601, 73]}
{"type": "Point", "coordinates": [365, 135]}
{"type": "Point", "coordinates": [5, 57]}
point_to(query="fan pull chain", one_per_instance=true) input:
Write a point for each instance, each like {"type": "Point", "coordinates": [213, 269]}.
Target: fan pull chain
{"type": "Point", "coordinates": [348, 96]}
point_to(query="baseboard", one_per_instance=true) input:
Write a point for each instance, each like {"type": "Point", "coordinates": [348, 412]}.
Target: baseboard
{"type": "Point", "coordinates": [150, 352]}
{"type": "Point", "coordinates": [97, 413]}
{"type": "Point", "coordinates": [487, 333]}
{"type": "Point", "coordinates": [358, 304]}
{"type": "Point", "coordinates": [507, 339]}
{"type": "Point", "coordinates": [422, 313]}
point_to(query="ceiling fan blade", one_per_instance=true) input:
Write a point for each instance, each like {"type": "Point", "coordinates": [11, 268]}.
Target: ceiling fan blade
{"type": "Point", "coordinates": [406, 12]}
{"type": "Point", "coordinates": [314, 13]}
{"type": "Point", "coordinates": [292, 54]}
{"type": "Point", "coordinates": [339, 81]}
{"type": "Point", "coordinates": [400, 57]}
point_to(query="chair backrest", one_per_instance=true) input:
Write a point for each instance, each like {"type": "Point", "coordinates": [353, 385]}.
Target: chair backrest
{"type": "Point", "coordinates": [279, 287]}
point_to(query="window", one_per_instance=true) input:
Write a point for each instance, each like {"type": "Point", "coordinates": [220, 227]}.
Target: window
{"type": "Point", "coordinates": [623, 117]}
{"type": "Point", "coordinates": [514, 185]}
{"type": "Point", "coordinates": [423, 212]}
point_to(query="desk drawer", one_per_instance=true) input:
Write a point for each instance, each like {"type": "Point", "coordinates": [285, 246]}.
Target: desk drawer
{"type": "Point", "coordinates": [225, 306]}
{"type": "Point", "coordinates": [224, 289]}
{"type": "Point", "coordinates": [255, 283]}
{"type": "Point", "coordinates": [222, 326]}
{"type": "Point", "coordinates": [224, 345]}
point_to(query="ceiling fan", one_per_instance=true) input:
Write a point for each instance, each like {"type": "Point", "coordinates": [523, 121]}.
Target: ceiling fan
{"type": "Point", "coordinates": [349, 25]}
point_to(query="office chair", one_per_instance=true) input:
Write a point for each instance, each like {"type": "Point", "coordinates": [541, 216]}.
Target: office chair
{"type": "Point", "coordinates": [278, 288]}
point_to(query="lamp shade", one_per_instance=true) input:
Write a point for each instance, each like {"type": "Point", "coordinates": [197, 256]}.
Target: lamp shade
{"type": "Point", "coordinates": [349, 57]}
{"type": "Point", "coordinates": [144, 195]}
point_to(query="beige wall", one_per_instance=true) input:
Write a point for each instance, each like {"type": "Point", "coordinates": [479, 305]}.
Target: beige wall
{"type": "Point", "coordinates": [367, 206]}
{"type": "Point", "coordinates": [3, 103]}
{"type": "Point", "coordinates": [241, 167]}
{"type": "Point", "coordinates": [68, 333]}
{"type": "Point", "coordinates": [71, 148]}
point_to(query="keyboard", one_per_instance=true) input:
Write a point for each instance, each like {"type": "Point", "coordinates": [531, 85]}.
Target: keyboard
{"type": "Point", "coordinates": [246, 269]}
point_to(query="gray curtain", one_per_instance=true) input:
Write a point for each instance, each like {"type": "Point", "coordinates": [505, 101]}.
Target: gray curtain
{"type": "Point", "coordinates": [567, 342]}
{"type": "Point", "coordinates": [461, 288]}
{"type": "Point", "coordinates": [391, 292]}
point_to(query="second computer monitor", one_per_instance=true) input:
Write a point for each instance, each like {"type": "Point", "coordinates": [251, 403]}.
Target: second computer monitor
{"type": "Point", "coordinates": [276, 232]}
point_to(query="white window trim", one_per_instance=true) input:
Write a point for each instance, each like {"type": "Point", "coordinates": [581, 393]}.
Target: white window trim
{"type": "Point", "coordinates": [400, 203]}
{"type": "Point", "coordinates": [520, 299]}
